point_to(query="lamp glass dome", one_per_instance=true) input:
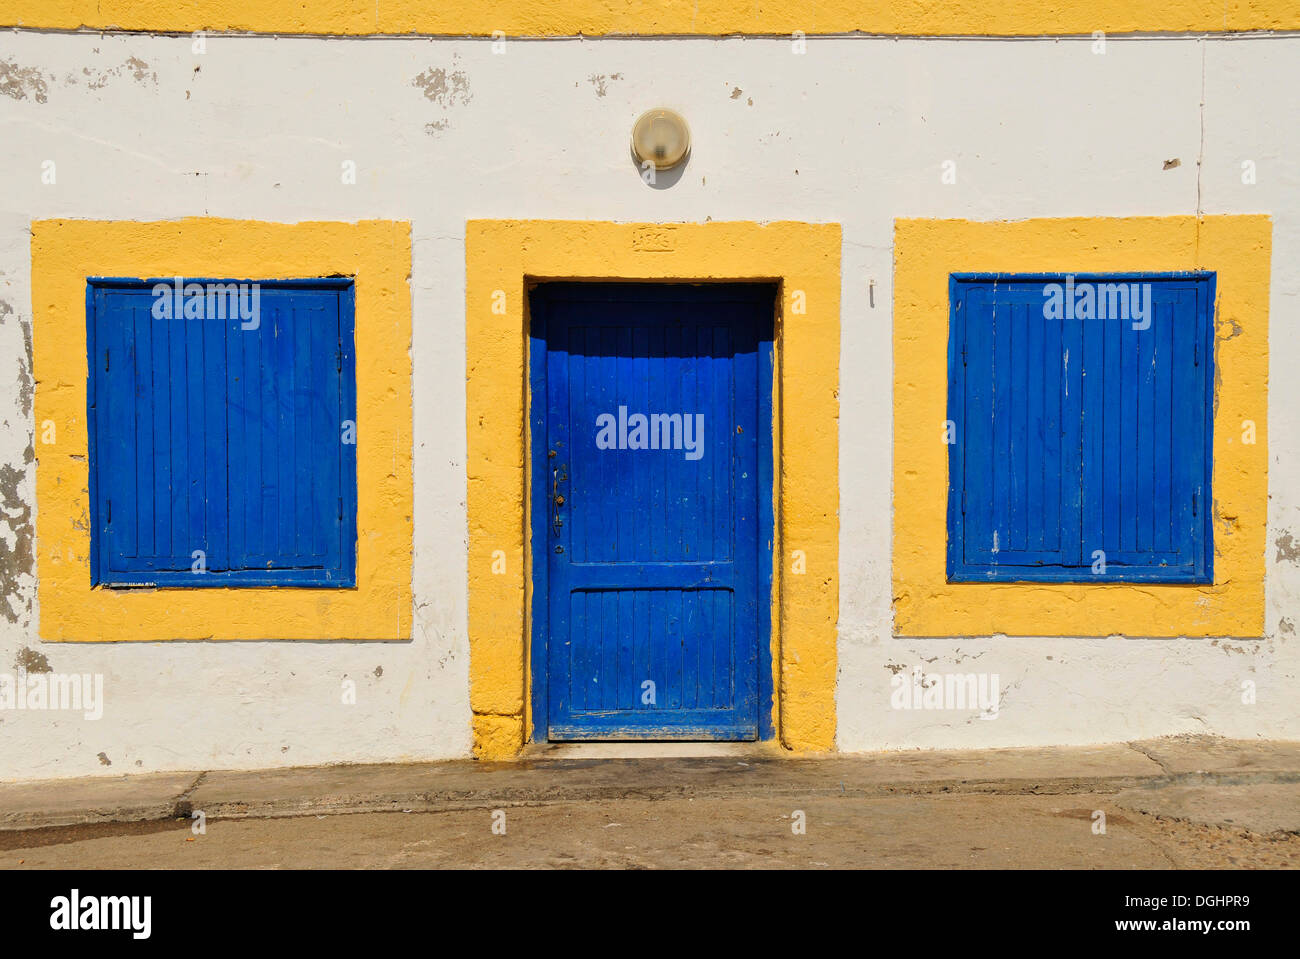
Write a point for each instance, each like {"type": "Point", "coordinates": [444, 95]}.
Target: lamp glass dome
{"type": "Point", "coordinates": [660, 137]}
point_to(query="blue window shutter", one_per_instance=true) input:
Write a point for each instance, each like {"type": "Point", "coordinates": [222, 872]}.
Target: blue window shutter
{"type": "Point", "coordinates": [1147, 437]}
{"type": "Point", "coordinates": [1017, 413]}
{"type": "Point", "coordinates": [284, 379]}
{"type": "Point", "coordinates": [225, 437]}
{"type": "Point", "coordinates": [1083, 446]}
{"type": "Point", "coordinates": [161, 459]}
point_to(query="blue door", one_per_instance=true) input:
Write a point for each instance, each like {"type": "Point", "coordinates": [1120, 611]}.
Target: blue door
{"type": "Point", "coordinates": [651, 510]}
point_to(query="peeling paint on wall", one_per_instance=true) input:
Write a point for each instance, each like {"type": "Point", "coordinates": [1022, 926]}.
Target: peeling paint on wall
{"type": "Point", "coordinates": [24, 363]}
{"type": "Point", "coordinates": [601, 82]}
{"type": "Point", "coordinates": [17, 557]}
{"type": "Point", "coordinates": [26, 387]}
{"type": "Point", "coordinates": [18, 83]}
{"type": "Point", "coordinates": [98, 79]}
{"type": "Point", "coordinates": [444, 88]}
{"type": "Point", "coordinates": [31, 661]}
{"type": "Point", "coordinates": [1288, 550]}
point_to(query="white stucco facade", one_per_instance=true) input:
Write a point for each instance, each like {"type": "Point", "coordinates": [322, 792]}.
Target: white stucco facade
{"type": "Point", "coordinates": [855, 131]}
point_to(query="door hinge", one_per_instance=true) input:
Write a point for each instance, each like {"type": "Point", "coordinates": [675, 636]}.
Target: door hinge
{"type": "Point", "coordinates": [106, 361]}
{"type": "Point", "coordinates": [963, 502]}
{"type": "Point", "coordinates": [1196, 354]}
{"type": "Point", "coordinates": [340, 509]}
{"type": "Point", "coordinates": [108, 508]}
{"type": "Point", "coordinates": [338, 357]}
{"type": "Point", "coordinates": [1195, 503]}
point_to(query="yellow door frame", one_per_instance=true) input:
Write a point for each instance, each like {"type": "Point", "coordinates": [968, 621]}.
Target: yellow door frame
{"type": "Point", "coordinates": [502, 257]}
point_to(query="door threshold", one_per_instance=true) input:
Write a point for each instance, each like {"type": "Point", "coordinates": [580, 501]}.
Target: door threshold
{"type": "Point", "coordinates": [642, 750]}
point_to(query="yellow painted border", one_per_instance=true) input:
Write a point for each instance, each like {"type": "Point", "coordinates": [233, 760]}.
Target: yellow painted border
{"type": "Point", "coordinates": [378, 254]}
{"type": "Point", "coordinates": [501, 258]}
{"type": "Point", "coordinates": [540, 18]}
{"type": "Point", "coordinates": [1238, 248]}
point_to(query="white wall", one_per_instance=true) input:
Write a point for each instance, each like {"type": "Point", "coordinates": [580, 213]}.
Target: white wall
{"type": "Point", "coordinates": [854, 132]}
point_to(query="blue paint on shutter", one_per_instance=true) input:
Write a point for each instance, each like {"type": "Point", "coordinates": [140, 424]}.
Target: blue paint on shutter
{"type": "Point", "coordinates": [651, 565]}
{"type": "Point", "coordinates": [223, 436]}
{"type": "Point", "coordinates": [1080, 441]}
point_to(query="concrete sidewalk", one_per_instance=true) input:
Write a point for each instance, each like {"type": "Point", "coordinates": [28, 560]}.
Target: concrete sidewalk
{"type": "Point", "coordinates": [1246, 785]}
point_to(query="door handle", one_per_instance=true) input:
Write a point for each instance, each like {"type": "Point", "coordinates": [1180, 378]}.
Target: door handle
{"type": "Point", "coordinates": [558, 476]}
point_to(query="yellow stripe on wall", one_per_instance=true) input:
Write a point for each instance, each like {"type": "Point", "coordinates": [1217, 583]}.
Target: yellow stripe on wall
{"type": "Point", "coordinates": [543, 18]}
